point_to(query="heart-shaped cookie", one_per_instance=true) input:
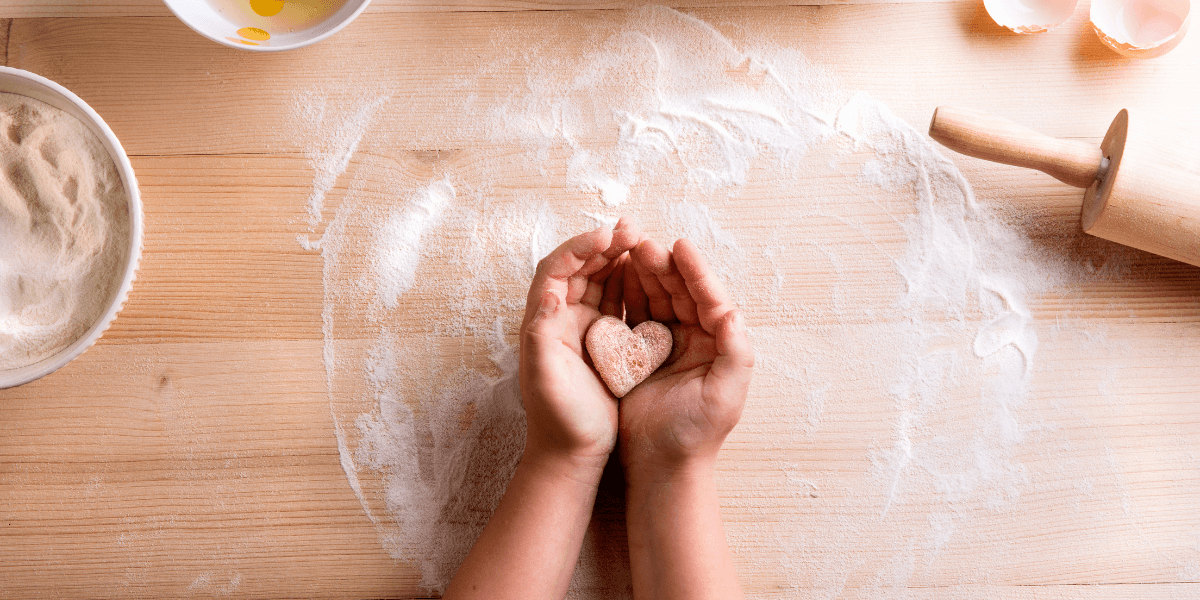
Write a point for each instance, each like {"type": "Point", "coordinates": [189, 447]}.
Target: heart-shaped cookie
{"type": "Point", "coordinates": [624, 357]}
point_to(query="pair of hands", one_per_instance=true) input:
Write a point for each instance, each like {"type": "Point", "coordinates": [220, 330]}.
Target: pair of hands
{"type": "Point", "coordinates": [669, 427]}
{"type": "Point", "coordinates": [679, 416]}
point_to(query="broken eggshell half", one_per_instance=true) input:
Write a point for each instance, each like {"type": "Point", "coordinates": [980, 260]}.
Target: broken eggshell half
{"type": "Point", "coordinates": [1030, 16]}
{"type": "Point", "coordinates": [1141, 28]}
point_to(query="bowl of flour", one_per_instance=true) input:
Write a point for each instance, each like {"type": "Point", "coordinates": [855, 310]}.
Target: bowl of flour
{"type": "Point", "coordinates": [70, 226]}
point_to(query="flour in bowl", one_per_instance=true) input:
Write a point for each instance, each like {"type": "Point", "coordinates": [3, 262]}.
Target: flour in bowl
{"type": "Point", "coordinates": [64, 230]}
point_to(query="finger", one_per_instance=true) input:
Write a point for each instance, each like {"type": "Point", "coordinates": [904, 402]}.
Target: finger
{"type": "Point", "coordinates": [729, 377]}
{"type": "Point", "coordinates": [681, 297]}
{"type": "Point", "coordinates": [555, 271]}
{"type": "Point", "coordinates": [651, 261]}
{"type": "Point", "coordinates": [626, 235]}
{"type": "Point", "coordinates": [586, 286]}
{"type": "Point", "coordinates": [614, 288]}
{"type": "Point", "coordinates": [705, 289]}
{"type": "Point", "coordinates": [637, 306]}
{"type": "Point", "coordinates": [547, 315]}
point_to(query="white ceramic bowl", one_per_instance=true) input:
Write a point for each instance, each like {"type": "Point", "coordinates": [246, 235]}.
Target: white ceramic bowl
{"type": "Point", "coordinates": [235, 31]}
{"type": "Point", "coordinates": [16, 81]}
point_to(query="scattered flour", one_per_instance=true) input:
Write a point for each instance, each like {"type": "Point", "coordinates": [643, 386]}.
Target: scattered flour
{"type": "Point", "coordinates": [663, 118]}
{"type": "Point", "coordinates": [397, 247]}
{"type": "Point", "coordinates": [64, 230]}
{"type": "Point", "coordinates": [330, 153]}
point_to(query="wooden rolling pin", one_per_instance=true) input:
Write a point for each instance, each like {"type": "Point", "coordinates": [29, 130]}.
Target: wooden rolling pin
{"type": "Point", "coordinates": [1143, 181]}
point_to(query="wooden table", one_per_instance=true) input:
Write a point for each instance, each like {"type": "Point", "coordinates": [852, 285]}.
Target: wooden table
{"type": "Point", "coordinates": [194, 450]}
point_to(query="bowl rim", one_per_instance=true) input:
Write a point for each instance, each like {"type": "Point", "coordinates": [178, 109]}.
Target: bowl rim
{"type": "Point", "coordinates": [227, 43]}
{"type": "Point", "coordinates": [25, 374]}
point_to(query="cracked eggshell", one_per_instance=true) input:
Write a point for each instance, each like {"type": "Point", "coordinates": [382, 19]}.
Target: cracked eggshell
{"type": "Point", "coordinates": [1030, 16]}
{"type": "Point", "coordinates": [1141, 28]}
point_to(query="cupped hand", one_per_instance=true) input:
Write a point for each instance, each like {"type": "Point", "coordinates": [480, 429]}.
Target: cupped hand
{"type": "Point", "coordinates": [682, 413]}
{"type": "Point", "coordinates": [569, 410]}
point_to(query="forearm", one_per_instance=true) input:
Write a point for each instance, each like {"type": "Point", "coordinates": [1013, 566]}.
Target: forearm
{"type": "Point", "coordinates": [677, 546]}
{"type": "Point", "coordinates": [531, 544]}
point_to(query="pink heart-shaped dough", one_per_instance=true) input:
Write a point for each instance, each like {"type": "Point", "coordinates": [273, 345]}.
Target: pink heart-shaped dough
{"type": "Point", "coordinates": [624, 357]}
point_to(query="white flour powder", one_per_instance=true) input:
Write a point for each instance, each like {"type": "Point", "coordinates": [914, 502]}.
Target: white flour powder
{"type": "Point", "coordinates": [927, 317]}
{"type": "Point", "coordinates": [63, 230]}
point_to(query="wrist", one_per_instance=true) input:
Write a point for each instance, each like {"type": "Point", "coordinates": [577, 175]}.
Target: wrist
{"type": "Point", "coordinates": [685, 471]}
{"type": "Point", "coordinates": [585, 469]}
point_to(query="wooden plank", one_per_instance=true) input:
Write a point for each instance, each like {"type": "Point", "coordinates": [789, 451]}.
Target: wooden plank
{"type": "Point", "coordinates": [155, 8]}
{"type": "Point", "coordinates": [5, 26]}
{"type": "Point", "coordinates": [192, 451]}
{"type": "Point", "coordinates": [222, 259]}
{"type": "Point", "coordinates": [202, 468]}
{"type": "Point", "coordinates": [210, 99]}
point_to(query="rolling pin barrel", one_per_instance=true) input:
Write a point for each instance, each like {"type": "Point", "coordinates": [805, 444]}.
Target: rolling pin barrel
{"type": "Point", "coordinates": [991, 138]}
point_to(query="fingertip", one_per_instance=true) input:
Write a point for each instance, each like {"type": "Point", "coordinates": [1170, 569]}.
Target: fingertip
{"type": "Point", "coordinates": [549, 302]}
{"type": "Point", "coordinates": [733, 340]}
{"type": "Point", "coordinates": [541, 315]}
{"type": "Point", "coordinates": [627, 223]}
{"type": "Point", "coordinates": [652, 257]}
{"type": "Point", "coordinates": [601, 238]}
{"type": "Point", "coordinates": [547, 305]}
{"type": "Point", "coordinates": [688, 256]}
{"type": "Point", "coordinates": [572, 254]}
{"type": "Point", "coordinates": [625, 235]}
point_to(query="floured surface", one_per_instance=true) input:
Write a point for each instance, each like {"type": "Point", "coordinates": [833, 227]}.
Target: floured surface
{"type": "Point", "coordinates": [924, 314]}
{"type": "Point", "coordinates": [195, 450]}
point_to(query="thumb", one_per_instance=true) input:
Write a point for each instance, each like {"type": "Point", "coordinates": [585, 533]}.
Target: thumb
{"type": "Point", "coordinates": [548, 309]}
{"type": "Point", "coordinates": [734, 362]}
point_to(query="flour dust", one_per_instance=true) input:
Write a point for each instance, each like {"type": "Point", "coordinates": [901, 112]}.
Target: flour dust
{"type": "Point", "coordinates": [896, 406]}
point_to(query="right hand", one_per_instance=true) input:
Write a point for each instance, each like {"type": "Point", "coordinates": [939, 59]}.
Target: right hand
{"type": "Point", "coordinates": [679, 417]}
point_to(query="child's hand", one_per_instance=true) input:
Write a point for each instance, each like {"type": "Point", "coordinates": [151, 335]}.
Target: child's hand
{"type": "Point", "coordinates": [569, 410]}
{"type": "Point", "coordinates": [679, 416]}
{"type": "Point", "coordinates": [531, 544]}
{"type": "Point", "coordinates": [673, 424]}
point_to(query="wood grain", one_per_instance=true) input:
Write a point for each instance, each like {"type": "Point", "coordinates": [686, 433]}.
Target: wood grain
{"type": "Point", "coordinates": [155, 8]}
{"type": "Point", "coordinates": [192, 452]}
{"type": "Point", "coordinates": [5, 25]}
{"type": "Point", "coordinates": [189, 468]}
{"type": "Point", "coordinates": [229, 102]}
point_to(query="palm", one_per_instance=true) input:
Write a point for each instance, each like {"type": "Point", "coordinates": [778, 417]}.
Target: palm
{"type": "Point", "coordinates": [690, 404]}
{"type": "Point", "coordinates": [670, 412]}
{"type": "Point", "coordinates": [572, 399]}
{"type": "Point", "coordinates": [568, 408]}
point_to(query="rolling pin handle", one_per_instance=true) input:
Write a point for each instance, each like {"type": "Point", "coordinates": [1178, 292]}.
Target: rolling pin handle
{"type": "Point", "coordinates": [981, 135]}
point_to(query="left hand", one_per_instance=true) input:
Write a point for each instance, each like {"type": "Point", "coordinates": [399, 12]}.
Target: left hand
{"type": "Point", "coordinates": [570, 411]}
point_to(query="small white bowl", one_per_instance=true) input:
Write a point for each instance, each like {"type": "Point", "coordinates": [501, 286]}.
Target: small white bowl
{"type": "Point", "coordinates": [249, 33]}
{"type": "Point", "coordinates": [16, 81]}
{"type": "Point", "coordinates": [1141, 28]}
